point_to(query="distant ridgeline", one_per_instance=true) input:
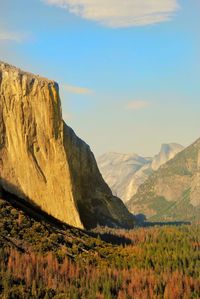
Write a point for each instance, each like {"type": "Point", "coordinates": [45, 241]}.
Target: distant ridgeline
{"type": "Point", "coordinates": [172, 193]}
{"type": "Point", "coordinates": [124, 173]}
{"type": "Point", "coordinates": [43, 161]}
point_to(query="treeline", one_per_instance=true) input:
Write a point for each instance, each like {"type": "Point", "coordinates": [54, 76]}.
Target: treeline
{"type": "Point", "coordinates": [160, 263]}
{"type": "Point", "coordinates": [35, 276]}
{"type": "Point", "coordinates": [39, 260]}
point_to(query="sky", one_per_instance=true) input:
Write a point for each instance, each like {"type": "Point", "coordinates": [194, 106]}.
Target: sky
{"type": "Point", "coordinates": [128, 71]}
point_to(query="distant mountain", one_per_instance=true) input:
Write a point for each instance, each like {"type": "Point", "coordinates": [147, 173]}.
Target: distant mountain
{"type": "Point", "coordinates": [119, 171]}
{"type": "Point", "coordinates": [173, 191]}
{"type": "Point", "coordinates": [167, 152]}
{"type": "Point", "coordinates": [124, 173]}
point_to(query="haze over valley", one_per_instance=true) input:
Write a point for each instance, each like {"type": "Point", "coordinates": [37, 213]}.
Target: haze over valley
{"type": "Point", "coordinates": [99, 149]}
{"type": "Point", "coordinates": [124, 173]}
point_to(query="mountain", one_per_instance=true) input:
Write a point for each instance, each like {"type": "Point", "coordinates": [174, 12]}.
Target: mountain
{"type": "Point", "coordinates": [43, 161]}
{"type": "Point", "coordinates": [124, 173]}
{"type": "Point", "coordinates": [119, 171]}
{"type": "Point", "coordinates": [172, 193]}
{"type": "Point", "coordinates": [167, 152]}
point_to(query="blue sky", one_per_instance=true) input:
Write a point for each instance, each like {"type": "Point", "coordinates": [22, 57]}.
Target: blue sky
{"type": "Point", "coordinates": [129, 71]}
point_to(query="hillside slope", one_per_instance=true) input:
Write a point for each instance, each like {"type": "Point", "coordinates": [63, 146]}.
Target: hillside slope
{"type": "Point", "coordinates": [124, 173]}
{"type": "Point", "coordinates": [41, 257]}
{"type": "Point", "coordinates": [27, 228]}
{"type": "Point", "coordinates": [173, 191]}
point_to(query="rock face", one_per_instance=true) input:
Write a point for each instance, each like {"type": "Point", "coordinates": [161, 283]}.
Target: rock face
{"type": "Point", "coordinates": [167, 152]}
{"type": "Point", "coordinates": [172, 193]}
{"type": "Point", "coordinates": [44, 162]}
{"type": "Point", "coordinates": [124, 173]}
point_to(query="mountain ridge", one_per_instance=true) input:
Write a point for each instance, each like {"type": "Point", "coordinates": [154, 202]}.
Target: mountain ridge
{"type": "Point", "coordinates": [173, 191]}
{"type": "Point", "coordinates": [124, 173]}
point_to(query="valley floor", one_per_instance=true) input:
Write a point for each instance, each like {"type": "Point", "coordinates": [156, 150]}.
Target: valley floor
{"type": "Point", "coordinates": [42, 260]}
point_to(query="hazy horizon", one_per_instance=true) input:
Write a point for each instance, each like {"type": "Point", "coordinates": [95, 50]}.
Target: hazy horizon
{"type": "Point", "coordinates": [128, 72]}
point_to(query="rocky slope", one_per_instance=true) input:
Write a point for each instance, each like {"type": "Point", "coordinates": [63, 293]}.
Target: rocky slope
{"type": "Point", "coordinates": [167, 152]}
{"type": "Point", "coordinates": [44, 162]}
{"type": "Point", "coordinates": [124, 173]}
{"type": "Point", "coordinates": [173, 191]}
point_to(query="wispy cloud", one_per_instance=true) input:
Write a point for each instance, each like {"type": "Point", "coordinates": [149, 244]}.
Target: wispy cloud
{"type": "Point", "coordinates": [137, 105]}
{"type": "Point", "coordinates": [76, 89]}
{"type": "Point", "coordinates": [120, 13]}
{"type": "Point", "coordinates": [13, 36]}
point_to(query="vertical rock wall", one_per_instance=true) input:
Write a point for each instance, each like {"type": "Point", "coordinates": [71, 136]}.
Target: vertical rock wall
{"type": "Point", "coordinates": [43, 161]}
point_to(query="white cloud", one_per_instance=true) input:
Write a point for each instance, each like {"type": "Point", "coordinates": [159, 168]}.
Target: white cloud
{"type": "Point", "coordinates": [137, 105]}
{"type": "Point", "coordinates": [12, 36]}
{"type": "Point", "coordinates": [76, 89]}
{"type": "Point", "coordinates": [120, 13]}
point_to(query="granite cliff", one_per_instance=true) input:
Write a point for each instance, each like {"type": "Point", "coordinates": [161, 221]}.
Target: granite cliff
{"type": "Point", "coordinates": [172, 193]}
{"type": "Point", "coordinates": [124, 173]}
{"type": "Point", "coordinates": [44, 162]}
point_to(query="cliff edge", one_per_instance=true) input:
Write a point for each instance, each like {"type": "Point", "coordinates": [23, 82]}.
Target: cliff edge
{"type": "Point", "coordinates": [44, 162]}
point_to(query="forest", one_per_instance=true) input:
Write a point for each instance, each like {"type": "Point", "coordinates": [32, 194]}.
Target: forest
{"type": "Point", "coordinates": [38, 260]}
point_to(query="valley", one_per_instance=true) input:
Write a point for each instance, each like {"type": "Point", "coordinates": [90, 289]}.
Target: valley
{"type": "Point", "coordinates": [43, 259]}
{"type": "Point", "coordinates": [64, 234]}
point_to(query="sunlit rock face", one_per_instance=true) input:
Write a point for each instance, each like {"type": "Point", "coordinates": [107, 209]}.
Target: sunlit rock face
{"type": "Point", "coordinates": [44, 162]}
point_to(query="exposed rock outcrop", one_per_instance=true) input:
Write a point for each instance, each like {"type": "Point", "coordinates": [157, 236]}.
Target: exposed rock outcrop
{"type": "Point", "coordinates": [124, 173]}
{"type": "Point", "coordinates": [172, 193]}
{"type": "Point", "coordinates": [44, 162]}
